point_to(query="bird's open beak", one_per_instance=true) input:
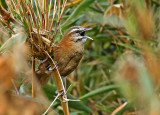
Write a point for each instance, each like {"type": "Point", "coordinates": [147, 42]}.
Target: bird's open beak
{"type": "Point", "coordinates": [88, 37]}
{"type": "Point", "coordinates": [87, 29]}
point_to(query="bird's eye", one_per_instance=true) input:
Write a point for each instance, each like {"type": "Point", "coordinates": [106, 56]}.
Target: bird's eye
{"type": "Point", "coordinates": [82, 33]}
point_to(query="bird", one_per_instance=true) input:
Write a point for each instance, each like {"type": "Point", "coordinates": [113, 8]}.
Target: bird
{"type": "Point", "coordinates": [67, 54]}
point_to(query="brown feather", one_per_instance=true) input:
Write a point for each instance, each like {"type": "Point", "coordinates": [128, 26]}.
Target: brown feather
{"type": "Point", "coordinates": [67, 54]}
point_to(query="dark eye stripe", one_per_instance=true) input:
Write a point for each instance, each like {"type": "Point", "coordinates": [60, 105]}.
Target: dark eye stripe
{"type": "Point", "coordinates": [77, 31]}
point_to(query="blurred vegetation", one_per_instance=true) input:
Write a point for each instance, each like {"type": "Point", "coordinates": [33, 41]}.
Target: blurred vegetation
{"type": "Point", "coordinates": [119, 73]}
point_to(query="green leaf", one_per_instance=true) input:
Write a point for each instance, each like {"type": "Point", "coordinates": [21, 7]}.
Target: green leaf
{"type": "Point", "coordinates": [78, 105]}
{"type": "Point", "coordinates": [99, 91]}
{"type": "Point", "coordinates": [50, 91]}
{"type": "Point", "coordinates": [104, 108]}
{"type": "Point", "coordinates": [18, 16]}
{"type": "Point", "coordinates": [81, 7]}
{"type": "Point", "coordinates": [134, 48]}
{"type": "Point", "coordinates": [3, 2]}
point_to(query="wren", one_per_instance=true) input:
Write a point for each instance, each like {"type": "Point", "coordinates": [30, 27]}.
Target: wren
{"type": "Point", "coordinates": [67, 54]}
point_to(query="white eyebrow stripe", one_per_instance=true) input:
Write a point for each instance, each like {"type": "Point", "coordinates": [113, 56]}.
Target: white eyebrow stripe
{"type": "Point", "coordinates": [73, 30]}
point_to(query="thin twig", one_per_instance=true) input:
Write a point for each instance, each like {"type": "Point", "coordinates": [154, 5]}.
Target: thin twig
{"type": "Point", "coordinates": [119, 108]}
{"type": "Point", "coordinates": [17, 92]}
{"type": "Point", "coordinates": [52, 103]}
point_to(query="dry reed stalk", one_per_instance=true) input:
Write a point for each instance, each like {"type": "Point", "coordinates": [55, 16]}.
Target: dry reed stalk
{"type": "Point", "coordinates": [61, 97]}
{"type": "Point", "coordinates": [60, 87]}
{"type": "Point", "coordinates": [33, 76]}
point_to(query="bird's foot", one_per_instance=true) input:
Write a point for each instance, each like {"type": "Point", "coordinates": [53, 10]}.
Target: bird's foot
{"type": "Point", "coordinates": [52, 68]}
{"type": "Point", "coordinates": [65, 99]}
{"type": "Point", "coordinates": [41, 63]}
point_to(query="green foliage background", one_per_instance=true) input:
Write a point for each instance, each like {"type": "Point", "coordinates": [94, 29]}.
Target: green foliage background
{"type": "Point", "coordinates": [95, 80]}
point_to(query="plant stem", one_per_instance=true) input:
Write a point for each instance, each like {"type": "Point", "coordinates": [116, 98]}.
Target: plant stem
{"type": "Point", "coordinates": [60, 87]}
{"type": "Point", "coordinates": [33, 77]}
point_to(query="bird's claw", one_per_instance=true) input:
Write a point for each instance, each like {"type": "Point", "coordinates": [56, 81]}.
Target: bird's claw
{"type": "Point", "coordinates": [63, 94]}
{"type": "Point", "coordinates": [50, 68]}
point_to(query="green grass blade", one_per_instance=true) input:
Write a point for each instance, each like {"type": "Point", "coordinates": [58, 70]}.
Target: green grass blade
{"type": "Point", "coordinates": [82, 6]}
{"type": "Point", "coordinates": [99, 91]}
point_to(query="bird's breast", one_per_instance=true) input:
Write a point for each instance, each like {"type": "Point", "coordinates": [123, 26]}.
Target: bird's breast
{"type": "Point", "coordinates": [68, 58]}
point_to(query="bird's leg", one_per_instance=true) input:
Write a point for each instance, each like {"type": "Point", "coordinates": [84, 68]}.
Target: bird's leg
{"type": "Point", "coordinates": [42, 63]}
{"type": "Point", "coordinates": [63, 94]}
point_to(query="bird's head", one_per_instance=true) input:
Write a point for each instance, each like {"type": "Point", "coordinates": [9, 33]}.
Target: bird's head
{"type": "Point", "coordinates": [77, 34]}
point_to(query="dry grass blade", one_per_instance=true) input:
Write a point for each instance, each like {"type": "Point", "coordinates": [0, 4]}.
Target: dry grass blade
{"type": "Point", "coordinates": [72, 2]}
{"type": "Point", "coordinates": [33, 16]}
{"type": "Point", "coordinates": [25, 13]}
{"type": "Point", "coordinates": [38, 13]}
{"type": "Point", "coordinates": [6, 16]}
{"type": "Point", "coordinates": [59, 19]}
{"type": "Point", "coordinates": [42, 13]}
{"type": "Point", "coordinates": [119, 108]}
{"type": "Point", "coordinates": [14, 6]}
{"type": "Point", "coordinates": [46, 15]}
{"type": "Point", "coordinates": [50, 5]}
{"type": "Point", "coordinates": [54, 13]}
{"type": "Point", "coordinates": [28, 20]}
